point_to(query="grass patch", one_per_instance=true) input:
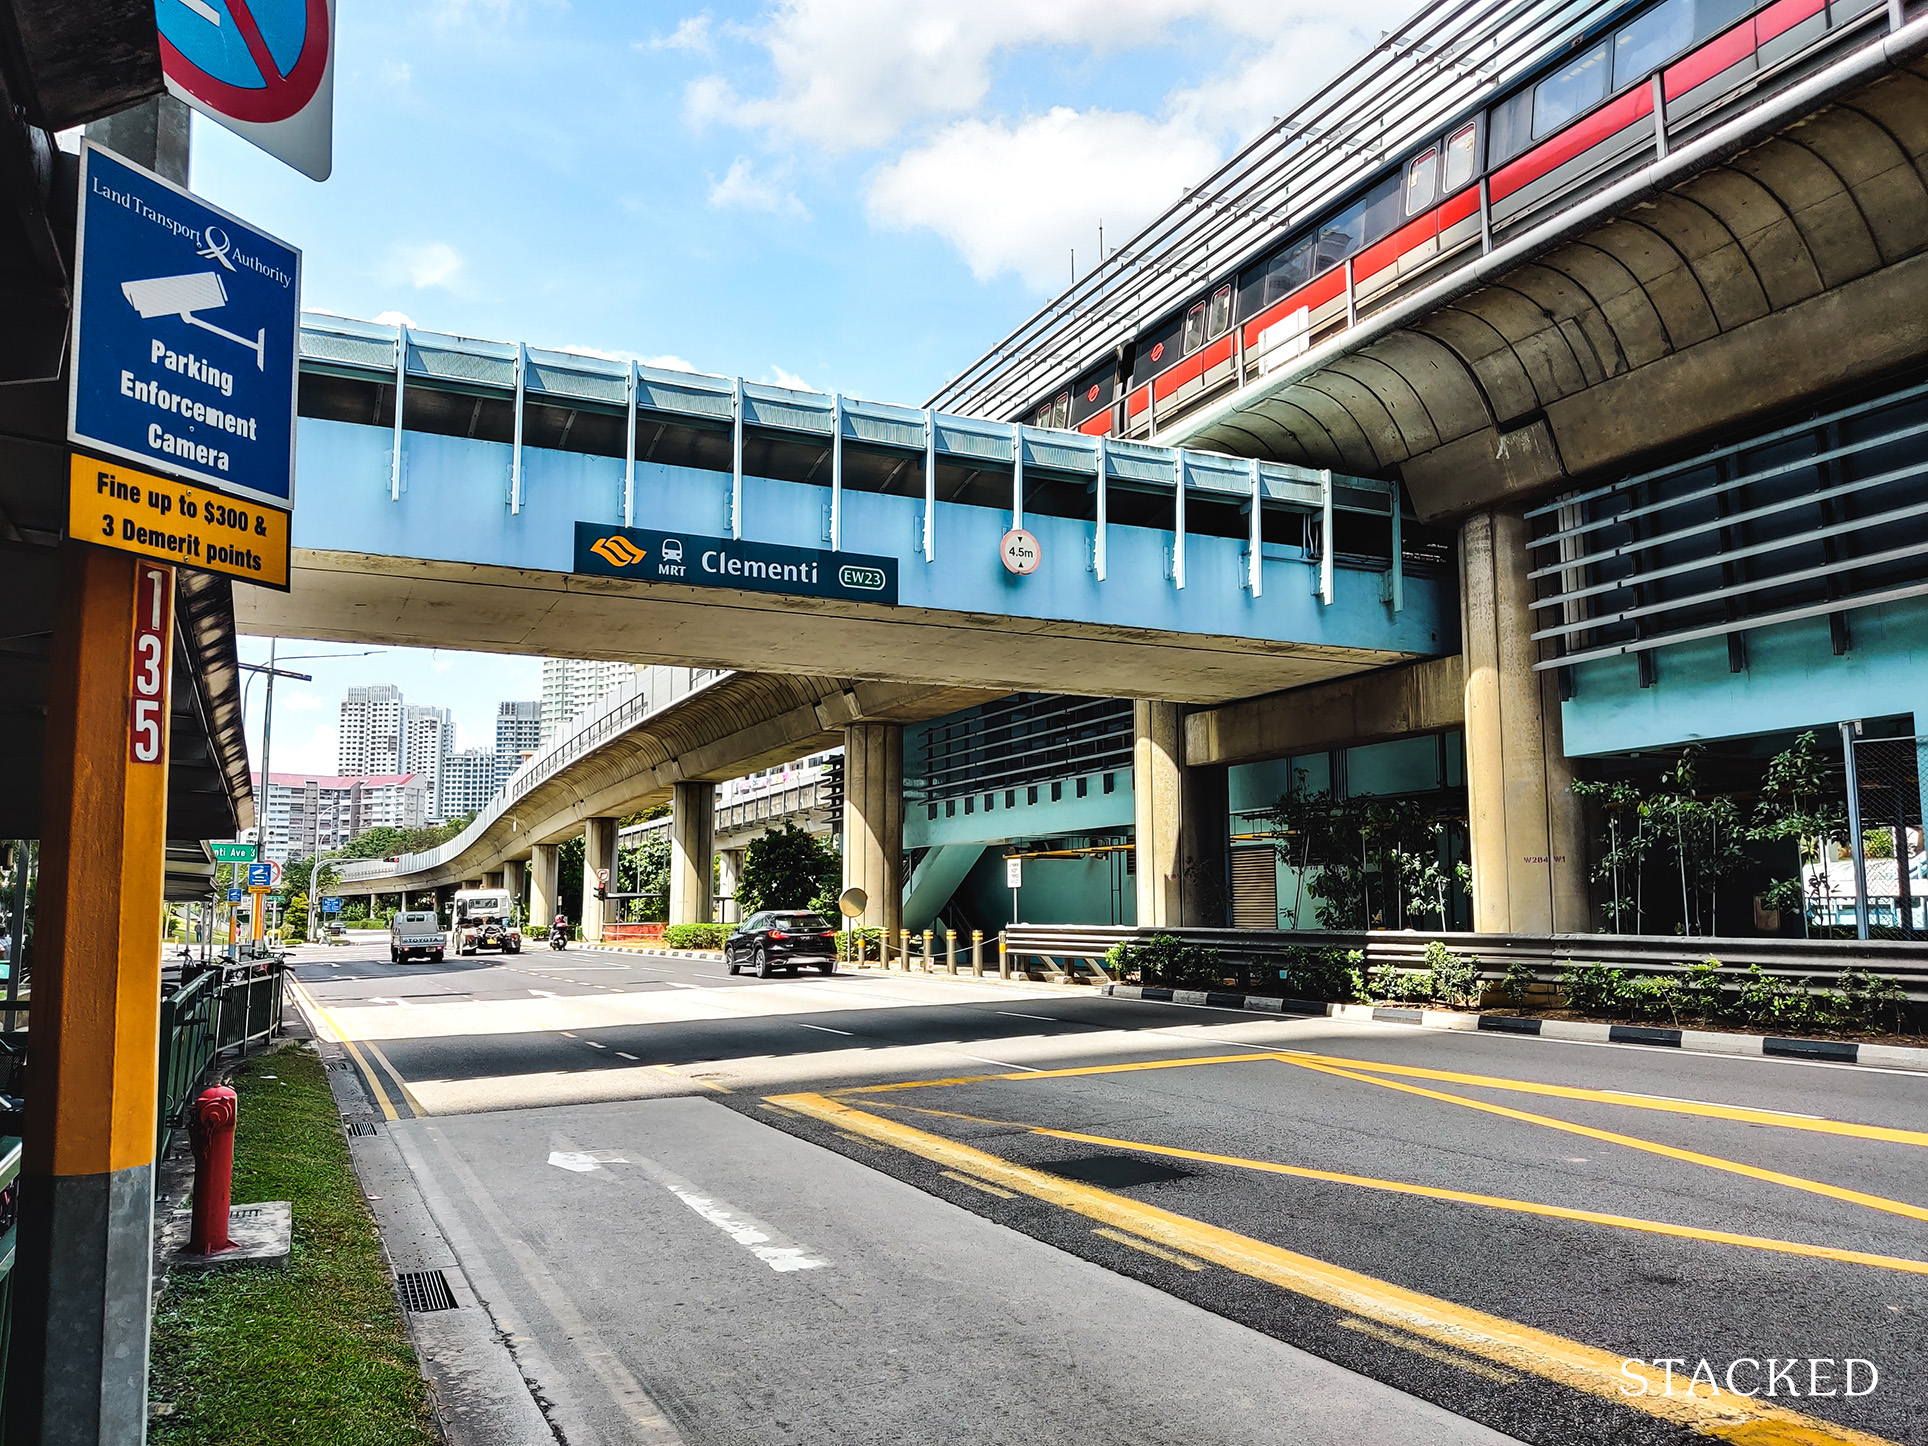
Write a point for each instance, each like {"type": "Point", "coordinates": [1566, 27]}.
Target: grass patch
{"type": "Point", "coordinates": [313, 1353]}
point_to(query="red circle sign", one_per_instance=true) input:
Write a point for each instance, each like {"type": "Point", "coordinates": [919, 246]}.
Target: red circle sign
{"type": "Point", "coordinates": [1020, 552]}
{"type": "Point", "coordinates": [280, 94]}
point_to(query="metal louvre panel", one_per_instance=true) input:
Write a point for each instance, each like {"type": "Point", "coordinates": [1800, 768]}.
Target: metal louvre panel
{"type": "Point", "coordinates": [1826, 515]}
{"type": "Point", "coordinates": [460, 359]}
{"type": "Point", "coordinates": [1255, 888]}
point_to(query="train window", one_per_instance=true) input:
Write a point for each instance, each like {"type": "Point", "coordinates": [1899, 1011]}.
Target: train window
{"type": "Point", "coordinates": [1061, 410]}
{"type": "Point", "coordinates": [1422, 180]}
{"type": "Point", "coordinates": [1509, 128]}
{"type": "Point", "coordinates": [1460, 146]}
{"type": "Point", "coordinates": [1562, 96]}
{"type": "Point", "coordinates": [1288, 271]}
{"type": "Point", "coordinates": [1221, 319]}
{"type": "Point", "coordinates": [1659, 35]}
{"type": "Point", "coordinates": [1194, 329]}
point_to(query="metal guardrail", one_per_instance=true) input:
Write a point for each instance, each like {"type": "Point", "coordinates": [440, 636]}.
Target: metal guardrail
{"type": "Point", "coordinates": [1546, 954]}
{"type": "Point", "coordinates": [219, 1010]}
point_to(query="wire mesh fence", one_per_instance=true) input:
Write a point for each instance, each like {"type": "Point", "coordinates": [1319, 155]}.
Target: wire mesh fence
{"type": "Point", "coordinates": [1878, 889]}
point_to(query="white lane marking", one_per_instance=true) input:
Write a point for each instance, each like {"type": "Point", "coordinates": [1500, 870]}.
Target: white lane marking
{"type": "Point", "coordinates": [776, 1251]}
{"type": "Point", "coordinates": [1013, 1014]}
{"type": "Point", "coordinates": [543, 993]}
{"type": "Point", "coordinates": [621, 1055]}
{"type": "Point", "coordinates": [593, 1045]}
{"type": "Point", "coordinates": [1028, 1069]}
{"type": "Point", "coordinates": [584, 1161]}
{"type": "Point", "coordinates": [674, 985]}
{"type": "Point", "coordinates": [821, 1028]}
{"type": "Point", "coordinates": [383, 999]}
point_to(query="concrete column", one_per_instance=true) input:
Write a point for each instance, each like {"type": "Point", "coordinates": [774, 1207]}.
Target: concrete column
{"type": "Point", "coordinates": [730, 869]}
{"type": "Point", "coordinates": [515, 878]}
{"type": "Point", "coordinates": [1157, 785]}
{"type": "Point", "coordinates": [542, 885]}
{"type": "Point", "coordinates": [598, 852]}
{"type": "Point", "coordinates": [873, 857]}
{"type": "Point", "coordinates": [492, 880]}
{"type": "Point", "coordinates": [692, 844]}
{"type": "Point", "coordinates": [1528, 837]}
{"type": "Point", "coordinates": [78, 1368]}
{"type": "Point", "coordinates": [1204, 835]}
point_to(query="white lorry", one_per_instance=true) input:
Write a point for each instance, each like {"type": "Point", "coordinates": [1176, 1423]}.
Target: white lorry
{"type": "Point", "coordinates": [485, 919]}
{"type": "Point", "coordinates": [415, 932]}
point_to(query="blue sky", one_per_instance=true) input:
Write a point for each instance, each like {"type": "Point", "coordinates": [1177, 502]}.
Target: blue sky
{"type": "Point", "coordinates": [855, 194]}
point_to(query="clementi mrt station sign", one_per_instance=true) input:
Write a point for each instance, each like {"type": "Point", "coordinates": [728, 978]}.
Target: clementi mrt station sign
{"type": "Point", "coordinates": [693, 561]}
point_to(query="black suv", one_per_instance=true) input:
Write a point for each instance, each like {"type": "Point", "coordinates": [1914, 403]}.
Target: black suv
{"type": "Point", "coordinates": [774, 940]}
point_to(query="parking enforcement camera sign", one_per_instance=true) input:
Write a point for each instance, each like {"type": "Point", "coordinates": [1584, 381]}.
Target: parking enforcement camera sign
{"type": "Point", "coordinates": [186, 326]}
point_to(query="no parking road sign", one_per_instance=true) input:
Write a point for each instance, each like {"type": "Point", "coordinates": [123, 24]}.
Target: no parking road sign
{"type": "Point", "coordinates": [265, 69]}
{"type": "Point", "coordinates": [186, 322]}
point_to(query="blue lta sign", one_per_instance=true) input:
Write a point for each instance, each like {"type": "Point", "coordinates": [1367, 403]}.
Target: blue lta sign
{"type": "Point", "coordinates": [641, 555]}
{"type": "Point", "coordinates": [186, 324]}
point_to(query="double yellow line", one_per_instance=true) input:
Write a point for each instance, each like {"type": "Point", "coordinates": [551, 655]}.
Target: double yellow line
{"type": "Point", "coordinates": [1745, 1421]}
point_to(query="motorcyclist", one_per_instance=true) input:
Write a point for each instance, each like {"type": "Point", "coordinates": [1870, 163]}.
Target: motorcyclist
{"type": "Point", "coordinates": [559, 928]}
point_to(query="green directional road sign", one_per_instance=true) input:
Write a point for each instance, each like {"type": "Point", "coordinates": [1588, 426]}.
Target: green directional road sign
{"type": "Point", "coordinates": [232, 853]}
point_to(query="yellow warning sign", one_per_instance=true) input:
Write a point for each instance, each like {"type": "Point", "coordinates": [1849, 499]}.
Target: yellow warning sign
{"type": "Point", "coordinates": [112, 505]}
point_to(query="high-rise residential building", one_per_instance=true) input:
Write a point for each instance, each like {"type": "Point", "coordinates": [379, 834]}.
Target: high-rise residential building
{"type": "Point", "coordinates": [518, 727]}
{"type": "Point", "coordinates": [371, 731]}
{"type": "Point", "coordinates": [427, 738]}
{"type": "Point", "coordinates": [470, 778]}
{"type": "Point", "coordinates": [305, 812]}
{"type": "Point", "coordinates": [573, 685]}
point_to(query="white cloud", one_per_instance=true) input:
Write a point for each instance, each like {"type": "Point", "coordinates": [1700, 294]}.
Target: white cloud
{"type": "Point", "coordinates": [397, 72]}
{"type": "Point", "coordinates": [741, 189]}
{"type": "Point", "coordinates": [318, 752]}
{"type": "Point", "coordinates": [394, 318]}
{"type": "Point", "coordinates": [669, 363]}
{"type": "Point", "coordinates": [422, 264]}
{"type": "Point", "coordinates": [1020, 198]}
{"type": "Point", "coordinates": [780, 377]}
{"type": "Point", "coordinates": [854, 73]}
{"type": "Point", "coordinates": [692, 34]}
{"type": "Point", "coordinates": [301, 702]}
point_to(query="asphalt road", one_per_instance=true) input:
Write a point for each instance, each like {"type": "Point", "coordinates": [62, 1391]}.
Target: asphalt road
{"type": "Point", "coordinates": [1052, 1216]}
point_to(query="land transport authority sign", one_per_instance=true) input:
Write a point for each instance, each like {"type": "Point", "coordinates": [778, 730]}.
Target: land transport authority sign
{"type": "Point", "coordinates": [186, 321]}
{"type": "Point", "coordinates": [691, 560]}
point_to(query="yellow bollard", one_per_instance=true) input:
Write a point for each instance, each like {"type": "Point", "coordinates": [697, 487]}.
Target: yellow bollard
{"type": "Point", "coordinates": [927, 951]}
{"type": "Point", "coordinates": [903, 940]}
{"type": "Point", "coordinates": [977, 953]}
{"type": "Point", "coordinates": [950, 949]}
{"type": "Point", "coordinates": [1003, 959]}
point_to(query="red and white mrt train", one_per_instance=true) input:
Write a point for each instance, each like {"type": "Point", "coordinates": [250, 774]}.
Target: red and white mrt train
{"type": "Point", "coordinates": [1566, 128]}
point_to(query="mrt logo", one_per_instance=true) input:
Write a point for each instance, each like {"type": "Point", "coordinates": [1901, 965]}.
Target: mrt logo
{"type": "Point", "coordinates": [618, 551]}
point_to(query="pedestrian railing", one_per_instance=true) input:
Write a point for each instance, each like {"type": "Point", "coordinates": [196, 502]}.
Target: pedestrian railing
{"type": "Point", "coordinates": [224, 1008]}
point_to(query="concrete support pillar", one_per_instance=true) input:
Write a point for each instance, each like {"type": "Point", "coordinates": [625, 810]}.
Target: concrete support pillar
{"type": "Point", "coordinates": [492, 880]}
{"type": "Point", "coordinates": [515, 876]}
{"type": "Point", "coordinates": [1157, 782]}
{"type": "Point", "coordinates": [873, 858]}
{"type": "Point", "coordinates": [1528, 837]}
{"type": "Point", "coordinates": [729, 870]}
{"type": "Point", "coordinates": [1204, 853]}
{"type": "Point", "coordinates": [78, 1366]}
{"type": "Point", "coordinates": [692, 844]}
{"type": "Point", "coordinates": [598, 853]}
{"type": "Point", "coordinates": [542, 885]}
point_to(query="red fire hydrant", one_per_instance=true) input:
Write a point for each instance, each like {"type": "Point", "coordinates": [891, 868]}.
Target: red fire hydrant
{"type": "Point", "coordinates": [210, 1131]}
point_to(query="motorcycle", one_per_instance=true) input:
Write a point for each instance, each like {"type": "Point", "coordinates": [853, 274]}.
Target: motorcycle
{"type": "Point", "coordinates": [558, 937]}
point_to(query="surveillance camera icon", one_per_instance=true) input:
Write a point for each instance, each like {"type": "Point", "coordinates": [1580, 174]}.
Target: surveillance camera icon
{"type": "Point", "coordinates": [182, 296]}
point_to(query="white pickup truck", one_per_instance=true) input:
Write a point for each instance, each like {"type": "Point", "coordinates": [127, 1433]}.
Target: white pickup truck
{"type": "Point", "coordinates": [415, 932]}
{"type": "Point", "coordinates": [485, 919]}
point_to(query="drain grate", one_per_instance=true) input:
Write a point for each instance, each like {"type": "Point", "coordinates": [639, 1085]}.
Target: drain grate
{"type": "Point", "coordinates": [361, 1127]}
{"type": "Point", "coordinates": [1114, 1171]}
{"type": "Point", "coordinates": [424, 1290]}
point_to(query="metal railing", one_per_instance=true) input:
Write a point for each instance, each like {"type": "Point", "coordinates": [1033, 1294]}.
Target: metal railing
{"type": "Point", "coordinates": [1820, 960]}
{"type": "Point", "coordinates": [225, 1008]}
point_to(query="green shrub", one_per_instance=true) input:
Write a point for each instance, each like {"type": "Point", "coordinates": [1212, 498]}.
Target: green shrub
{"type": "Point", "coordinates": [696, 936]}
{"type": "Point", "coordinates": [1874, 1001]}
{"type": "Point", "coordinates": [860, 944]}
{"type": "Point", "coordinates": [1321, 974]}
{"type": "Point", "coordinates": [1655, 996]}
{"type": "Point", "coordinates": [1165, 962]}
{"type": "Point", "coordinates": [1594, 988]}
{"type": "Point", "coordinates": [1517, 985]}
{"type": "Point", "coordinates": [1703, 994]}
{"type": "Point", "coordinates": [1451, 978]}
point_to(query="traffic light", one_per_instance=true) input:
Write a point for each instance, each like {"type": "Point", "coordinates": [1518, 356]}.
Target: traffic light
{"type": "Point", "coordinates": [832, 792]}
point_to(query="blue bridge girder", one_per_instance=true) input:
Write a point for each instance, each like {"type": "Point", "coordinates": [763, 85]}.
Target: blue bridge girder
{"type": "Point", "coordinates": [450, 521]}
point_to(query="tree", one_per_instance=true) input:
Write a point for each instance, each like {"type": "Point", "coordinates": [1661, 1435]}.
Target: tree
{"type": "Point", "coordinates": [1801, 803]}
{"type": "Point", "coordinates": [787, 869]}
{"type": "Point", "coordinates": [294, 923]}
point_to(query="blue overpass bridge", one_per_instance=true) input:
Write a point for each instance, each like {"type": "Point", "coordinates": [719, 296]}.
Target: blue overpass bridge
{"type": "Point", "coordinates": [444, 482]}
